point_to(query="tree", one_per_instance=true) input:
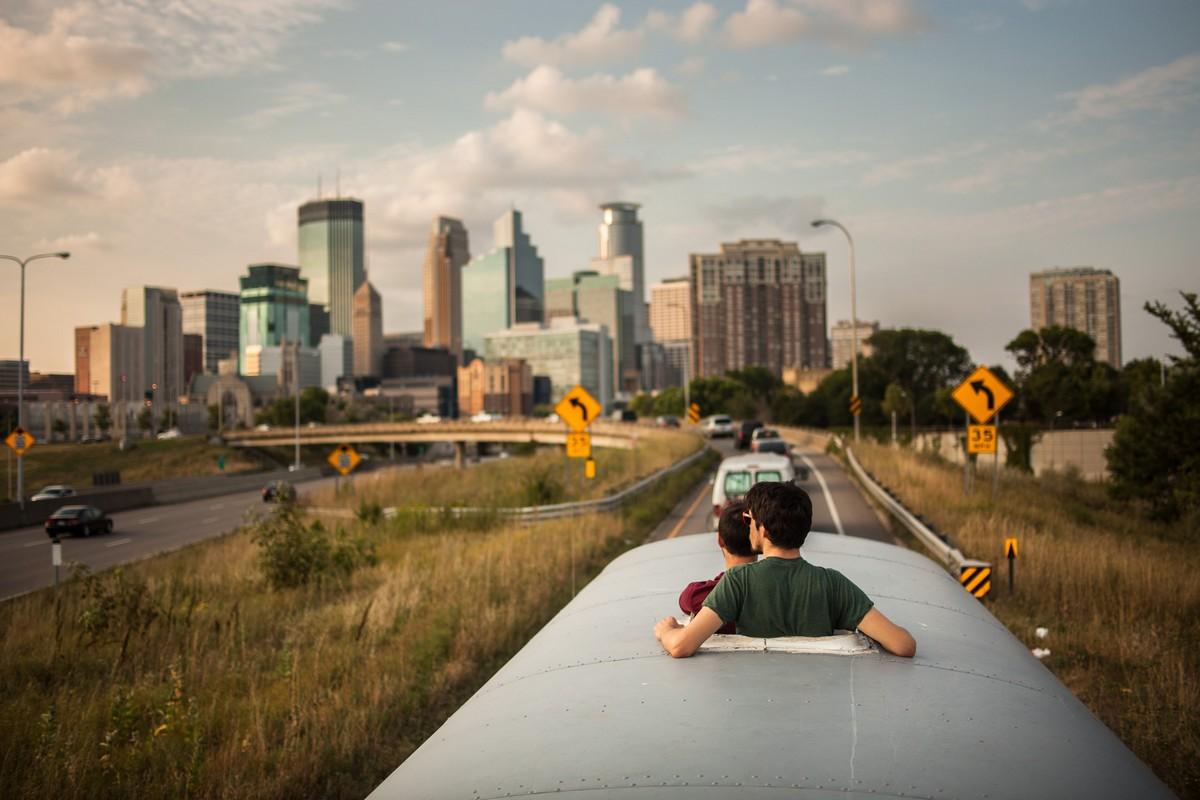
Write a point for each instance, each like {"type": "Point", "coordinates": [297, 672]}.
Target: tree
{"type": "Point", "coordinates": [314, 403]}
{"type": "Point", "coordinates": [895, 400]}
{"type": "Point", "coordinates": [920, 362]}
{"type": "Point", "coordinates": [59, 426]}
{"type": "Point", "coordinates": [169, 419]}
{"type": "Point", "coordinates": [214, 418]}
{"type": "Point", "coordinates": [1155, 454]}
{"type": "Point", "coordinates": [144, 419]}
{"type": "Point", "coordinates": [103, 418]}
{"type": "Point", "coordinates": [1059, 377]}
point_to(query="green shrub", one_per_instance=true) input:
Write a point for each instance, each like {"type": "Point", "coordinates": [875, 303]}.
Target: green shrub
{"type": "Point", "coordinates": [293, 552]}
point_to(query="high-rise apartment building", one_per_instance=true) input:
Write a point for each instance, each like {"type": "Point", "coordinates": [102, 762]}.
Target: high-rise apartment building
{"type": "Point", "coordinates": [448, 253]}
{"type": "Point", "coordinates": [498, 387]}
{"type": "Point", "coordinates": [158, 313]}
{"type": "Point", "coordinates": [758, 302]}
{"type": "Point", "coordinates": [569, 352]}
{"type": "Point", "coordinates": [273, 308]}
{"type": "Point", "coordinates": [841, 341]}
{"type": "Point", "coordinates": [504, 287]}
{"type": "Point", "coordinates": [622, 254]}
{"type": "Point", "coordinates": [671, 326]}
{"type": "Point", "coordinates": [214, 316]}
{"type": "Point", "coordinates": [332, 257]}
{"type": "Point", "coordinates": [368, 331]}
{"type": "Point", "coordinates": [1083, 298]}
{"type": "Point", "coordinates": [599, 298]}
{"type": "Point", "coordinates": [109, 360]}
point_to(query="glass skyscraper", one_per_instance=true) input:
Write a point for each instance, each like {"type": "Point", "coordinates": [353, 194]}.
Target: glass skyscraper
{"type": "Point", "coordinates": [215, 316]}
{"type": "Point", "coordinates": [332, 258]}
{"type": "Point", "coordinates": [274, 307]}
{"type": "Point", "coordinates": [503, 287]}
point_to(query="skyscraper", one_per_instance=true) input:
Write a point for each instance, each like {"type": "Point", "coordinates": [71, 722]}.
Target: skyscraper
{"type": "Point", "coordinates": [332, 257]}
{"type": "Point", "coordinates": [621, 254]}
{"type": "Point", "coordinates": [600, 299]}
{"type": "Point", "coordinates": [108, 362]}
{"type": "Point", "coordinates": [368, 331]}
{"type": "Point", "coordinates": [157, 312]}
{"type": "Point", "coordinates": [448, 253]}
{"type": "Point", "coordinates": [671, 325]}
{"type": "Point", "coordinates": [214, 316]}
{"type": "Point", "coordinates": [504, 287]}
{"type": "Point", "coordinates": [758, 302]}
{"type": "Point", "coordinates": [274, 307]}
{"type": "Point", "coordinates": [1083, 298]}
{"type": "Point", "coordinates": [841, 339]}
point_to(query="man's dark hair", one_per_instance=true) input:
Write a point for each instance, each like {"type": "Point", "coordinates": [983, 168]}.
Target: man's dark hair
{"type": "Point", "coordinates": [784, 509]}
{"type": "Point", "coordinates": [735, 531]}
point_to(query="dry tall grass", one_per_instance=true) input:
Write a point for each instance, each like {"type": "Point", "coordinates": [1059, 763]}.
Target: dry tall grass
{"type": "Point", "coordinates": [1120, 595]}
{"type": "Point", "coordinates": [186, 676]}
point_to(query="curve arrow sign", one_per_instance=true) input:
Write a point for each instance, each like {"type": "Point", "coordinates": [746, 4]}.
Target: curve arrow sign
{"type": "Point", "coordinates": [981, 388]}
{"type": "Point", "coordinates": [583, 412]}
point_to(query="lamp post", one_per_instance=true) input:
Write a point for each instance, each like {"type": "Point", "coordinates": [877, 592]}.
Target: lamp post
{"type": "Point", "coordinates": [819, 223]}
{"type": "Point", "coordinates": [20, 364]}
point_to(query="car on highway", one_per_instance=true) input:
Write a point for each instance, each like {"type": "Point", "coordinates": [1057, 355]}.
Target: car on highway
{"type": "Point", "coordinates": [78, 521]}
{"type": "Point", "coordinates": [737, 474]}
{"type": "Point", "coordinates": [667, 421]}
{"type": "Point", "coordinates": [741, 436]}
{"type": "Point", "coordinates": [623, 415]}
{"type": "Point", "coordinates": [768, 440]}
{"type": "Point", "coordinates": [486, 416]}
{"type": "Point", "coordinates": [170, 433]}
{"type": "Point", "coordinates": [428, 419]}
{"type": "Point", "coordinates": [53, 493]}
{"type": "Point", "coordinates": [717, 426]}
{"type": "Point", "coordinates": [279, 492]}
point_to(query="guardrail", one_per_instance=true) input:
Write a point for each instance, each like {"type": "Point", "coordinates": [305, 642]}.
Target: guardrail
{"type": "Point", "coordinates": [556, 511]}
{"type": "Point", "coordinates": [938, 543]}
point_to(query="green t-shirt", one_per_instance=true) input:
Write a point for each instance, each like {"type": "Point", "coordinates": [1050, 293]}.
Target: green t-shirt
{"type": "Point", "coordinates": [787, 597]}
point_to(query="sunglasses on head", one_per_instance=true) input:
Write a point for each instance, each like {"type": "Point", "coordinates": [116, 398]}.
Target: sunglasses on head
{"type": "Point", "coordinates": [746, 516]}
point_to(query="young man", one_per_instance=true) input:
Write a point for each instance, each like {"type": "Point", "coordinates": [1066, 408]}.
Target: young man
{"type": "Point", "coordinates": [782, 594]}
{"type": "Point", "coordinates": [733, 537]}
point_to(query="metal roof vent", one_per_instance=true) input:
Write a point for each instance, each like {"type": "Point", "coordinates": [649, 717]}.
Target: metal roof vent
{"type": "Point", "coordinates": [842, 643]}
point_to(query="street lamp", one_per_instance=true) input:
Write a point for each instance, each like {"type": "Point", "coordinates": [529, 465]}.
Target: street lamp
{"type": "Point", "coordinates": [20, 365]}
{"type": "Point", "coordinates": [819, 223]}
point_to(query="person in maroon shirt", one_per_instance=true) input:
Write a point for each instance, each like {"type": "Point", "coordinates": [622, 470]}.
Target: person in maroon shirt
{"type": "Point", "coordinates": [733, 537]}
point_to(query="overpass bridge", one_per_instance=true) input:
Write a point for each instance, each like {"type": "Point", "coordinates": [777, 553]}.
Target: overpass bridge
{"type": "Point", "coordinates": [621, 436]}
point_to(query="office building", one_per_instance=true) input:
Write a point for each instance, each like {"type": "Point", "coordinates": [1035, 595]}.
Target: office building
{"type": "Point", "coordinates": [1083, 298]}
{"type": "Point", "coordinates": [671, 326]}
{"type": "Point", "coordinates": [332, 257]}
{"type": "Point", "coordinates": [158, 313]}
{"type": "Point", "coordinates": [368, 331]}
{"type": "Point", "coordinates": [318, 322]}
{"type": "Point", "coordinates": [409, 361]}
{"type": "Point", "coordinates": [621, 254]}
{"type": "Point", "coordinates": [337, 359]}
{"type": "Point", "coordinates": [758, 302]}
{"type": "Point", "coordinates": [193, 357]}
{"type": "Point", "coordinates": [13, 373]}
{"type": "Point", "coordinates": [448, 253]}
{"type": "Point", "coordinates": [567, 351]}
{"type": "Point", "coordinates": [214, 316]}
{"type": "Point", "coordinates": [841, 341]}
{"type": "Point", "coordinates": [274, 309]}
{"type": "Point", "coordinates": [502, 387]}
{"type": "Point", "coordinates": [503, 287]}
{"type": "Point", "coordinates": [592, 297]}
{"type": "Point", "coordinates": [109, 362]}
{"type": "Point", "coordinates": [285, 362]}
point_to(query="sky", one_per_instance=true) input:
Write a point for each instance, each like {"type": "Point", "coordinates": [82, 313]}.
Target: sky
{"type": "Point", "coordinates": [964, 145]}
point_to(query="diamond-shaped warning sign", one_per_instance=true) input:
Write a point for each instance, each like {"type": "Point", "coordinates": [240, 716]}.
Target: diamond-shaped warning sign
{"type": "Point", "coordinates": [344, 459]}
{"type": "Point", "coordinates": [20, 440]}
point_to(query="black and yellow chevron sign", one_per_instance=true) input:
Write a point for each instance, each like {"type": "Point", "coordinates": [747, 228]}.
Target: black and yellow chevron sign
{"type": "Point", "coordinates": [693, 413]}
{"type": "Point", "coordinates": [855, 405]}
{"type": "Point", "coordinates": [976, 578]}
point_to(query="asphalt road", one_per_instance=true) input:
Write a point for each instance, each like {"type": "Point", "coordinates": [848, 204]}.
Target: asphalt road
{"type": "Point", "coordinates": [838, 507]}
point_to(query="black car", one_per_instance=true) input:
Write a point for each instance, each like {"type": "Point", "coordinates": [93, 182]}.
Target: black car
{"type": "Point", "coordinates": [741, 437]}
{"type": "Point", "coordinates": [279, 492]}
{"type": "Point", "coordinates": [78, 521]}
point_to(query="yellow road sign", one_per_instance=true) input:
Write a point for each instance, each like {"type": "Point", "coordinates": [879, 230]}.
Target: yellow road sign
{"type": "Point", "coordinates": [1010, 548]}
{"type": "Point", "coordinates": [855, 405]}
{"type": "Point", "coordinates": [344, 459]}
{"type": "Point", "coordinates": [693, 413]}
{"type": "Point", "coordinates": [976, 577]}
{"type": "Point", "coordinates": [579, 445]}
{"type": "Point", "coordinates": [982, 394]}
{"type": "Point", "coordinates": [589, 468]}
{"type": "Point", "coordinates": [578, 409]}
{"type": "Point", "coordinates": [20, 440]}
{"type": "Point", "coordinates": [981, 438]}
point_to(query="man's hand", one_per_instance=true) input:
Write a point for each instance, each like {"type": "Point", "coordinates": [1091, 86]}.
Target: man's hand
{"type": "Point", "coordinates": [665, 624]}
{"type": "Point", "coordinates": [680, 641]}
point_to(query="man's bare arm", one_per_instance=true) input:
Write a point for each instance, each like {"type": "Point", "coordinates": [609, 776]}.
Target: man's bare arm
{"type": "Point", "coordinates": [891, 636]}
{"type": "Point", "coordinates": [680, 641]}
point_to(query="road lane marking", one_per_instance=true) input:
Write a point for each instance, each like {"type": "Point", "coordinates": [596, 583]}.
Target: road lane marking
{"type": "Point", "coordinates": [675, 531]}
{"type": "Point", "coordinates": [217, 507]}
{"type": "Point", "coordinates": [837, 521]}
{"type": "Point", "coordinates": [148, 520]}
{"type": "Point", "coordinates": [118, 542]}
{"type": "Point", "coordinates": [33, 544]}
{"type": "Point", "coordinates": [207, 520]}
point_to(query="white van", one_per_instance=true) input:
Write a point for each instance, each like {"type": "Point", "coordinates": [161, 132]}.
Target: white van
{"type": "Point", "coordinates": [737, 474]}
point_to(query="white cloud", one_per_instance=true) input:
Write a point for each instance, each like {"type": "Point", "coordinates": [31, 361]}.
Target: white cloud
{"type": "Point", "coordinates": [691, 26]}
{"type": "Point", "coordinates": [740, 159]}
{"type": "Point", "coordinates": [766, 215]}
{"type": "Point", "coordinates": [74, 242]}
{"type": "Point", "coordinates": [43, 176]}
{"type": "Point", "coordinates": [1158, 89]}
{"type": "Point", "coordinates": [598, 42]}
{"type": "Point", "coordinates": [906, 168]}
{"type": "Point", "coordinates": [836, 71]}
{"type": "Point", "coordinates": [641, 93]}
{"type": "Point", "coordinates": [299, 97]}
{"type": "Point", "coordinates": [94, 50]}
{"type": "Point", "coordinates": [837, 22]}
{"type": "Point", "coordinates": [395, 47]}
{"type": "Point", "coordinates": [691, 67]}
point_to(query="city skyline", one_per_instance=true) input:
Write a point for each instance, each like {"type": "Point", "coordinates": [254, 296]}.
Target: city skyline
{"type": "Point", "coordinates": [964, 148]}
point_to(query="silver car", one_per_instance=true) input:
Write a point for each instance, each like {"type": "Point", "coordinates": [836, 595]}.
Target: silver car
{"type": "Point", "coordinates": [53, 493]}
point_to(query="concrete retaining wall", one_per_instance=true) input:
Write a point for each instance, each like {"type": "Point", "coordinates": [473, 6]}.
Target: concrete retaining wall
{"type": "Point", "coordinates": [1056, 450]}
{"type": "Point", "coordinates": [122, 499]}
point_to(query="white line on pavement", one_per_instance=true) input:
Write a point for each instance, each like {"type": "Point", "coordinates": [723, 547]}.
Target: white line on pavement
{"type": "Point", "coordinates": [207, 520]}
{"type": "Point", "coordinates": [148, 520]}
{"type": "Point", "coordinates": [837, 521]}
{"type": "Point", "coordinates": [33, 544]}
{"type": "Point", "coordinates": [217, 507]}
{"type": "Point", "coordinates": [118, 542]}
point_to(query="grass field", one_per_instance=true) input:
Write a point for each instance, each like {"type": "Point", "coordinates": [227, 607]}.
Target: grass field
{"type": "Point", "coordinates": [1120, 595]}
{"type": "Point", "coordinates": [188, 676]}
{"type": "Point", "coordinates": [74, 464]}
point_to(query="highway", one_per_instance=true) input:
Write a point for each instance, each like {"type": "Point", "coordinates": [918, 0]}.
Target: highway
{"type": "Point", "coordinates": [838, 507]}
